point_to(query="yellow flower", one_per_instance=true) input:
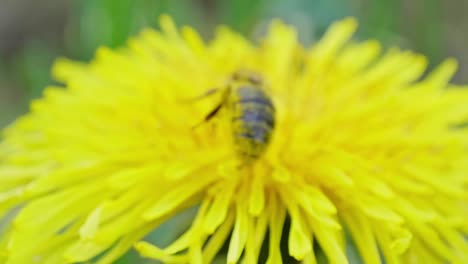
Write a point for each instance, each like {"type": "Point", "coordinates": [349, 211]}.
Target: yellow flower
{"type": "Point", "coordinates": [362, 145]}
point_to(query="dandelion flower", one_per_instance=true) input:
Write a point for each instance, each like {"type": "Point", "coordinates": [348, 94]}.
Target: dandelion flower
{"type": "Point", "coordinates": [363, 145]}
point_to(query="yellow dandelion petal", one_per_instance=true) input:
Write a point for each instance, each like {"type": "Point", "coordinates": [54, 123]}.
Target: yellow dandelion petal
{"type": "Point", "coordinates": [239, 235]}
{"type": "Point", "coordinates": [277, 215]}
{"type": "Point", "coordinates": [336, 140]}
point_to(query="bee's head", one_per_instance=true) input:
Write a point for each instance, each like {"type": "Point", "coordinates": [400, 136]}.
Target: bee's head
{"type": "Point", "coordinates": [243, 75]}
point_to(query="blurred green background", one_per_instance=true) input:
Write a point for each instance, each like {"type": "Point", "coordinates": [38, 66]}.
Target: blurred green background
{"type": "Point", "coordinates": [33, 33]}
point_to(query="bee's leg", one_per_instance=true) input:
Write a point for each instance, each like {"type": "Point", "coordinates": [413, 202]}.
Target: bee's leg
{"type": "Point", "coordinates": [213, 112]}
{"type": "Point", "coordinates": [224, 100]}
{"type": "Point", "coordinates": [210, 115]}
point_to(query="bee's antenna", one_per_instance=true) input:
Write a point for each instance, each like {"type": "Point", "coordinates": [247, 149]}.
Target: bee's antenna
{"type": "Point", "coordinates": [201, 96]}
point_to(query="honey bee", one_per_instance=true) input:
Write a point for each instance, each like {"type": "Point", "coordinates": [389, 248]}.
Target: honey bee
{"type": "Point", "coordinates": [251, 113]}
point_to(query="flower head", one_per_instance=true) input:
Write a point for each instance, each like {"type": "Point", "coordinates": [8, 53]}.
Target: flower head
{"type": "Point", "coordinates": [362, 145]}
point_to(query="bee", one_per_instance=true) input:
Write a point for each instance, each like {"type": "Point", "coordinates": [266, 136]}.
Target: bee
{"type": "Point", "coordinates": [251, 112]}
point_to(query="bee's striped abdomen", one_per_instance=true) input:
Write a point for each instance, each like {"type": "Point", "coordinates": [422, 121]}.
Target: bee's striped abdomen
{"type": "Point", "coordinates": [253, 119]}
